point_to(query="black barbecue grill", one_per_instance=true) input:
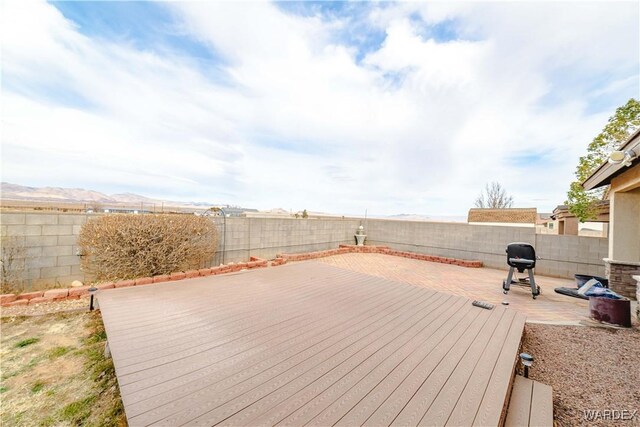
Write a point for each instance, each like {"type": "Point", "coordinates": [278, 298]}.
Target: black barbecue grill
{"type": "Point", "coordinates": [521, 257]}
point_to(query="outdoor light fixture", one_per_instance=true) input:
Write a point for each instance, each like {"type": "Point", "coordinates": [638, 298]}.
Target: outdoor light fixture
{"type": "Point", "coordinates": [622, 157]}
{"type": "Point", "coordinates": [92, 292]}
{"type": "Point", "coordinates": [527, 360]}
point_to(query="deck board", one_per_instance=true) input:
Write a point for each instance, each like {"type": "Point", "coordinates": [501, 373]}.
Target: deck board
{"type": "Point", "coordinates": [531, 404]}
{"type": "Point", "coordinates": [491, 408]}
{"type": "Point", "coordinates": [442, 406]}
{"type": "Point", "coordinates": [307, 343]}
{"type": "Point", "coordinates": [310, 400]}
{"type": "Point", "coordinates": [317, 365]}
{"type": "Point", "coordinates": [465, 410]}
{"type": "Point", "coordinates": [351, 387]}
{"type": "Point", "coordinates": [541, 405]}
{"type": "Point", "coordinates": [520, 403]}
{"type": "Point", "coordinates": [336, 347]}
{"type": "Point", "coordinates": [279, 349]}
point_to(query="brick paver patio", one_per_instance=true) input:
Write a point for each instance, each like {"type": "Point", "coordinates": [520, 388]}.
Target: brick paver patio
{"type": "Point", "coordinates": [474, 283]}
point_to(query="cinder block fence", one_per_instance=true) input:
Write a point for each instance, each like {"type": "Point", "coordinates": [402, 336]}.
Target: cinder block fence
{"type": "Point", "coordinates": [47, 251]}
{"type": "Point", "coordinates": [44, 245]}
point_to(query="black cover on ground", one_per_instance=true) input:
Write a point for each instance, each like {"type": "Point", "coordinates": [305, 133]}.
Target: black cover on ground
{"type": "Point", "coordinates": [581, 279]}
{"type": "Point", "coordinates": [571, 292]}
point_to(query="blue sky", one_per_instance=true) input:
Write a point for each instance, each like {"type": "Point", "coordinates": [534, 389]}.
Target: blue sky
{"type": "Point", "coordinates": [329, 106]}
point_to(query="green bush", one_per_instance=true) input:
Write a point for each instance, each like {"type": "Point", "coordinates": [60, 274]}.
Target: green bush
{"type": "Point", "coordinates": [116, 247]}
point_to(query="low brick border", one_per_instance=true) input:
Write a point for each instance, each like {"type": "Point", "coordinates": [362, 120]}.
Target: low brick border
{"type": "Point", "coordinates": [38, 297]}
{"type": "Point", "coordinates": [343, 249]}
{"type": "Point", "coordinates": [52, 295]}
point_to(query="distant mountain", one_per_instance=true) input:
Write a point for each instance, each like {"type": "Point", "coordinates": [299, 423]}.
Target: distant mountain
{"type": "Point", "coordinates": [52, 194]}
{"type": "Point", "coordinates": [59, 195]}
{"type": "Point", "coordinates": [17, 192]}
{"type": "Point", "coordinates": [277, 211]}
{"type": "Point", "coordinates": [410, 217]}
{"type": "Point", "coordinates": [132, 198]}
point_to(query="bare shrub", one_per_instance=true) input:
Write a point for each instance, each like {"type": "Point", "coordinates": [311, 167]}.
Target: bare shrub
{"type": "Point", "coordinates": [116, 247]}
{"type": "Point", "coordinates": [12, 269]}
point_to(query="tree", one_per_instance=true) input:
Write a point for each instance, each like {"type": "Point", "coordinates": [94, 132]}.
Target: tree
{"type": "Point", "coordinates": [494, 196]}
{"type": "Point", "coordinates": [620, 126]}
{"type": "Point", "coordinates": [305, 214]}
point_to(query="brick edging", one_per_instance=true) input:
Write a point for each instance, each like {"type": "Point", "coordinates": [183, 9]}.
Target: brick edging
{"type": "Point", "coordinates": [52, 295]}
{"type": "Point", "coordinates": [376, 249]}
{"type": "Point", "coordinates": [61, 294]}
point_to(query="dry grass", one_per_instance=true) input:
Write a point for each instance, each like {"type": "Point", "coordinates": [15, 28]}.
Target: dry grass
{"type": "Point", "coordinates": [72, 305]}
{"type": "Point", "coordinates": [54, 372]}
{"type": "Point", "coordinates": [128, 246]}
{"type": "Point", "coordinates": [12, 253]}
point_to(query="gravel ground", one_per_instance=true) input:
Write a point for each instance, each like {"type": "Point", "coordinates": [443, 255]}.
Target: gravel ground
{"type": "Point", "coordinates": [589, 368]}
{"type": "Point", "coordinates": [81, 304]}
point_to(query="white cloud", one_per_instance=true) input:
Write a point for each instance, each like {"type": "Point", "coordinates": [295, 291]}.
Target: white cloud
{"type": "Point", "coordinates": [416, 125]}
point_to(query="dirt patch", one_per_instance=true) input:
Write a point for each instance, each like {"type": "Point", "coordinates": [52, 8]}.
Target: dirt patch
{"type": "Point", "coordinates": [67, 306]}
{"type": "Point", "coordinates": [590, 369]}
{"type": "Point", "coordinates": [54, 372]}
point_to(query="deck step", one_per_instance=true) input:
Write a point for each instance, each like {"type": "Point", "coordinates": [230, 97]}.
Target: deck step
{"type": "Point", "coordinates": [531, 404]}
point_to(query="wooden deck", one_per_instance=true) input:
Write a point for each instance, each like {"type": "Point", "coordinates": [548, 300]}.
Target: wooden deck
{"type": "Point", "coordinates": [310, 344]}
{"type": "Point", "coordinates": [531, 404]}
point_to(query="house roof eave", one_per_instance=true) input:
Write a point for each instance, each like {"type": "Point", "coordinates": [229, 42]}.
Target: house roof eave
{"type": "Point", "coordinates": [607, 171]}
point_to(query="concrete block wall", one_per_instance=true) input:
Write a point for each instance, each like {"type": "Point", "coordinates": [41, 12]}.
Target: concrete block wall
{"type": "Point", "coordinates": [566, 255]}
{"type": "Point", "coordinates": [267, 237]}
{"type": "Point", "coordinates": [46, 246]}
{"type": "Point", "coordinates": [562, 255]}
{"type": "Point", "coordinates": [49, 241]}
{"type": "Point", "coordinates": [456, 240]}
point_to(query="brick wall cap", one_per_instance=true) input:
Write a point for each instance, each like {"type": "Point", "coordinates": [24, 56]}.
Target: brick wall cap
{"type": "Point", "coordinates": [81, 290]}
{"type": "Point", "coordinates": [629, 263]}
{"type": "Point", "coordinates": [30, 295]}
{"type": "Point", "coordinates": [124, 283]}
{"type": "Point", "coordinates": [56, 293]}
{"type": "Point", "coordinates": [7, 298]}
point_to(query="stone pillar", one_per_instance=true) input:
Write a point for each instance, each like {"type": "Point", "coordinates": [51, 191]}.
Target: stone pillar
{"type": "Point", "coordinates": [620, 274]}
